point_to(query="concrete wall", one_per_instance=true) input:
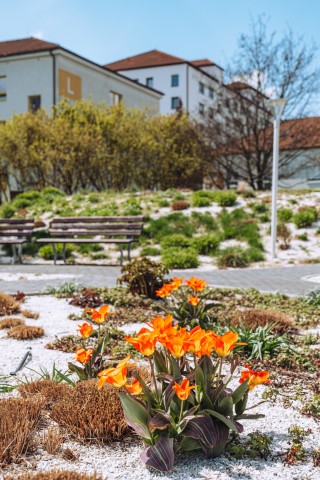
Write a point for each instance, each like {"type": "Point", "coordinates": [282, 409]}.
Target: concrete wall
{"type": "Point", "coordinates": [32, 75]}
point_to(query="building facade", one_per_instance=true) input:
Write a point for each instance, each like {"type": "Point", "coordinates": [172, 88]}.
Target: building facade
{"type": "Point", "coordinates": [188, 85]}
{"type": "Point", "coordinates": [36, 74]}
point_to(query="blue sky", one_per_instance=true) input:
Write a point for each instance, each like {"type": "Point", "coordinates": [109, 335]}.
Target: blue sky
{"type": "Point", "coordinates": [108, 30]}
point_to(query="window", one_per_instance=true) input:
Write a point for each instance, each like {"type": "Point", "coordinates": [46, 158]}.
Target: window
{"type": "Point", "coordinates": [174, 102]}
{"type": "Point", "coordinates": [34, 103]}
{"type": "Point", "coordinates": [201, 87]}
{"type": "Point", "coordinates": [149, 82]}
{"type": "Point", "coordinates": [115, 98]}
{"type": "Point", "coordinates": [210, 92]}
{"type": "Point", "coordinates": [201, 108]}
{"type": "Point", "coordinates": [3, 87]}
{"type": "Point", "coordinates": [174, 80]}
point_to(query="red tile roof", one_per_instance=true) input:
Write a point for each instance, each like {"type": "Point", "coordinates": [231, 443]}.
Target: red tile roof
{"type": "Point", "coordinates": [154, 58]}
{"type": "Point", "coordinates": [25, 45]}
{"type": "Point", "coordinates": [204, 62]}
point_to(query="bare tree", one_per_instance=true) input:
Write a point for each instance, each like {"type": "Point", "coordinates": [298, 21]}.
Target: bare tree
{"type": "Point", "coordinates": [239, 128]}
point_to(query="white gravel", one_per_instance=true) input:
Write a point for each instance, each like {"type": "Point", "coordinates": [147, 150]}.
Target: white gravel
{"type": "Point", "coordinates": [122, 460]}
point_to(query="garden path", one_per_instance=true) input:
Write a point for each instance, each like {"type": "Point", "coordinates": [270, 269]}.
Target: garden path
{"type": "Point", "coordinates": [32, 279]}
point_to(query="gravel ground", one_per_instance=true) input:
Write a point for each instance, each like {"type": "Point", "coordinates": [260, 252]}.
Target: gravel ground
{"type": "Point", "coordinates": [118, 461]}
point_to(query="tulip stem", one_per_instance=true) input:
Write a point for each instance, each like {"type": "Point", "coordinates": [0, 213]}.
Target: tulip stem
{"type": "Point", "coordinates": [181, 410]}
{"type": "Point", "coordinates": [195, 360]}
{"type": "Point", "coordinates": [154, 377]}
{"type": "Point", "coordinates": [219, 371]}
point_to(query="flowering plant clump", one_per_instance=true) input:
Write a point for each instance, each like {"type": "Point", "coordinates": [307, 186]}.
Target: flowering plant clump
{"type": "Point", "coordinates": [91, 359]}
{"type": "Point", "coordinates": [188, 404]}
{"type": "Point", "coordinates": [187, 302]}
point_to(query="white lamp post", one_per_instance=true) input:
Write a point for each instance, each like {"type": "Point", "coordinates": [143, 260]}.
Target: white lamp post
{"type": "Point", "coordinates": [277, 106]}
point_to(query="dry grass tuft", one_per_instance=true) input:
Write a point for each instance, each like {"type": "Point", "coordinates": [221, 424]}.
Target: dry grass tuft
{"type": "Point", "coordinates": [49, 390]}
{"type": "Point", "coordinates": [258, 317]}
{"type": "Point", "coordinates": [8, 305]}
{"type": "Point", "coordinates": [18, 422]}
{"type": "Point", "coordinates": [52, 440]}
{"type": "Point", "coordinates": [10, 322]}
{"type": "Point", "coordinates": [30, 314]}
{"type": "Point", "coordinates": [56, 475]}
{"type": "Point", "coordinates": [91, 415]}
{"type": "Point", "coordinates": [24, 332]}
{"type": "Point", "coordinates": [70, 455]}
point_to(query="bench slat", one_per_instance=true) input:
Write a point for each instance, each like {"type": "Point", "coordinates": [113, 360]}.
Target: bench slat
{"type": "Point", "coordinates": [83, 240]}
{"type": "Point", "coordinates": [127, 219]}
{"type": "Point", "coordinates": [96, 226]}
{"type": "Point", "coordinates": [16, 221]}
{"type": "Point", "coordinates": [92, 233]}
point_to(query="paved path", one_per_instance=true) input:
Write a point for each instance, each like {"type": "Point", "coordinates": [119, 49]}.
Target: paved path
{"type": "Point", "coordinates": [37, 278]}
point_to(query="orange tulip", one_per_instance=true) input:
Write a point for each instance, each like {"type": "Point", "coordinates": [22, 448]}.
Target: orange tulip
{"type": "Point", "coordinates": [164, 291]}
{"type": "Point", "coordinates": [145, 342]}
{"type": "Point", "coordinates": [99, 316]}
{"type": "Point", "coordinates": [196, 284]}
{"type": "Point", "coordinates": [116, 376]}
{"type": "Point", "coordinates": [178, 343]}
{"type": "Point", "coordinates": [183, 390]}
{"type": "Point", "coordinates": [85, 330]}
{"type": "Point", "coordinates": [224, 344]}
{"type": "Point", "coordinates": [196, 336]}
{"type": "Point", "coordinates": [176, 283]}
{"type": "Point", "coordinates": [162, 327]}
{"type": "Point", "coordinates": [193, 301]}
{"type": "Point", "coordinates": [82, 355]}
{"type": "Point", "coordinates": [255, 378]}
{"type": "Point", "coordinates": [135, 388]}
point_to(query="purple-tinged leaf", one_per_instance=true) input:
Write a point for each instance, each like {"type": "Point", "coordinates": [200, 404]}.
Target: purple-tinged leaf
{"type": "Point", "coordinates": [136, 415]}
{"type": "Point", "coordinates": [189, 444]}
{"type": "Point", "coordinates": [201, 428]}
{"type": "Point", "coordinates": [160, 456]}
{"type": "Point", "coordinates": [222, 433]}
{"type": "Point", "coordinates": [161, 421]}
{"type": "Point", "coordinates": [234, 426]}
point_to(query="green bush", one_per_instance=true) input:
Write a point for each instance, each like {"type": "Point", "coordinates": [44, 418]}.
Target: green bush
{"type": "Point", "coordinates": [205, 220]}
{"type": "Point", "coordinates": [285, 215]}
{"type": "Point", "coordinates": [132, 207]}
{"type": "Point", "coordinates": [226, 198]}
{"type": "Point", "coordinates": [169, 225]}
{"type": "Point", "coordinates": [234, 257]}
{"type": "Point", "coordinates": [254, 255]}
{"type": "Point", "coordinates": [180, 258]}
{"type": "Point", "coordinates": [52, 192]}
{"type": "Point", "coordinates": [239, 225]}
{"type": "Point", "coordinates": [201, 199]}
{"type": "Point", "coordinates": [86, 248]}
{"type": "Point", "coordinates": [46, 252]}
{"type": "Point", "coordinates": [94, 197]}
{"type": "Point", "coordinates": [143, 276]}
{"type": "Point", "coordinates": [150, 251]}
{"type": "Point", "coordinates": [303, 237]}
{"type": "Point", "coordinates": [305, 218]}
{"type": "Point", "coordinates": [206, 244]}
{"type": "Point", "coordinates": [163, 203]}
{"type": "Point", "coordinates": [176, 241]}
{"type": "Point", "coordinates": [259, 207]}
{"type": "Point", "coordinates": [26, 199]}
{"type": "Point", "coordinates": [265, 218]}
{"type": "Point", "coordinates": [7, 210]}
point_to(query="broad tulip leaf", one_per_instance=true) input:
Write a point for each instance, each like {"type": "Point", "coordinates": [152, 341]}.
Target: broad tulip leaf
{"type": "Point", "coordinates": [159, 456]}
{"type": "Point", "coordinates": [201, 428]}
{"type": "Point", "coordinates": [175, 367]}
{"type": "Point", "coordinates": [222, 432]}
{"type": "Point", "coordinates": [146, 390]}
{"type": "Point", "coordinates": [199, 376]}
{"type": "Point", "coordinates": [136, 416]}
{"type": "Point", "coordinates": [159, 362]}
{"type": "Point", "coordinates": [239, 392]}
{"type": "Point", "coordinates": [226, 406]}
{"type": "Point", "coordinates": [241, 405]}
{"type": "Point", "coordinates": [80, 371]}
{"type": "Point", "coordinates": [189, 444]}
{"type": "Point", "coordinates": [161, 421]}
{"type": "Point", "coordinates": [227, 421]}
{"type": "Point", "coordinates": [168, 395]}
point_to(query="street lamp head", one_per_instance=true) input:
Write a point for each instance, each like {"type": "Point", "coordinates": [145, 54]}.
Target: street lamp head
{"type": "Point", "coordinates": [277, 106]}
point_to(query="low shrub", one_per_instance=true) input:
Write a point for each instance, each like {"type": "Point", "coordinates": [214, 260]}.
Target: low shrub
{"type": "Point", "coordinates": [305, 218]}
{"type": "Point", "coordinates": [254, 254]}
{"type": "Point", "coordinates": [180, 258]}
{"type": "Point", "coordinates": [239, 225]}
{"type": "Point", "coordinates": [206, 244]}
{"type": "Point", "coordinates": [285, 215]}
{"type": "Point", "coordinates": [169, 225]}
{"type": "Point", "coordinates": [132, 207]}
{"type": "Point", "coordinates": [180, 205]}
{"type": "Point", "coordinates": [176, 241]}
{"type": "Point", "coordinates": [143, 276]}
{"type": "Point", "coordinates": [11, 322]}
{"type": "Point", "coordinates": [284, 234]}
{"type": "Point", "coordinates": [87, 248]}
{"type": "Point", "coordinates": [89, 414]}
{"type": "Point", "coordinates": [99, 256]}
{"type": "Point", "coordinates": [201, 198]}
{"type": "Point", "coordinates": [7, 210]}
{"type": "Point", "coordinates": [163, 203]}
{"type": "Point", "coordinates": [206, 220]}
{"type": "Point", "coordinates": [52, 441]}
{"type": "Point", "coordinates": [303, 237]}
{"type": "Point", "coordinates": [8, 305]}
{"type": "Point", "coordinates": [150, 251]}
{"type": "Point", "coordinates": [94, 197]}
{"type": "Point", "coordinates": [30, 314]}
{"type": "Point", "coordinates": [282, 323]}
{"type": "Point", "coordinates": [25, 332]}
{"type": "Point", "coordinates": [51, 193]}
{"type": "Point", "coordinates": [50, 391]}
{"type": "Point", "coordinates": [257, 447]}
{"type": "Point", "coordinates": [56, 475]}
{"type": "Point", "coordinates": [312, 298]}
{"type": "Point", "coordinates": [226, 198]}
{"type": "Point", "coordinates": [19, 421]}
{"type": "Point", "coordinates": [265, 218]}
{"type": "Point", "coordinates": [234, 257]}
{"type": "Point", "coordinates": [259, 208]}
{"type": "Point", "coordinates": [46, 252]}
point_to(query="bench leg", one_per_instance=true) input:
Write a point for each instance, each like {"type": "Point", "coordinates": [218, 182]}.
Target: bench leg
{"type": "Point", "coordinates": [54, 253]}
{"type": "Point", "coordinates": [129, 251]}
{"type": "Point", "coordinates": [121, 255]}
{"type": "Point", "coordinates": [64, 253]}
{"type": "Point", "coordinates": [20, 253]}
{"type": "Point", "coordinates": [14, 254]}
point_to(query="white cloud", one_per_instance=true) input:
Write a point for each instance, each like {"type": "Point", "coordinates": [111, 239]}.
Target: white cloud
{"type": "Point", "coordinates": [39, 34]}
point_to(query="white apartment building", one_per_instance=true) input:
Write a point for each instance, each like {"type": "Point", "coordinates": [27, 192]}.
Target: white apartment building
{"type": "Point", "coordinates": [190, 85]}
{"type": "Point", "coordinates": [37, 74]}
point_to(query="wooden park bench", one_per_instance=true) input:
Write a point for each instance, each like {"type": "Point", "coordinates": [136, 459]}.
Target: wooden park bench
{"type": "Point", "coordinates": [16, 232]}
{"type": "Point", "coordinates": [108, 230]}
